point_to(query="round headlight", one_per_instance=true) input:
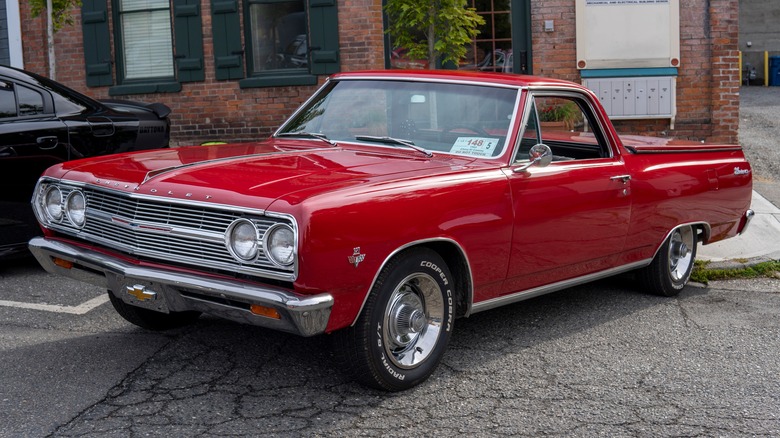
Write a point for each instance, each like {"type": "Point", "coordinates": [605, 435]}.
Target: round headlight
{"type": "Point", "coordinates": [52, 203]}
{"type": "Point", "coordinates": [242, 239]}
{"type": "Point", "coordinates": [280, 244]}
{"type": "Point", "coordinates": [76, 208]}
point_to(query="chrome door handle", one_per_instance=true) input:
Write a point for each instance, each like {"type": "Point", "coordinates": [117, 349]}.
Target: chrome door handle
{"type": "Point", "coordinates": [624, 178]}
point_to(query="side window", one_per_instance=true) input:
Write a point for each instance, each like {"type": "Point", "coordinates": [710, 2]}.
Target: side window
{"type": "Point", "coordinates": [7, 100]}
{"type": "Point", "coordinates": [567, 125]}
{"type": "Point", "coordinates": [285, 42]}
{"type": "Point", "coordinates": [30, 101]}
{"type": "Point", "coordinates": [146, 41]}
{"type": "Point", "coordinates": [531, 135]}
{"type": "Point", "coordinates": [146, 35]}
{"type": "Point", "coordinates": [277, 35]}
{"type": "Point", "coordinates": [23, 102]}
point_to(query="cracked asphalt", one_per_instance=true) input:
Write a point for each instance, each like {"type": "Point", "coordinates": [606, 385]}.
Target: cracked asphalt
{"type": "Point", "coordinates": [601, 359]}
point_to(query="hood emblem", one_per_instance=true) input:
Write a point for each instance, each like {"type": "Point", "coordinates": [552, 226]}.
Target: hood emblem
{"type": "Point", "coordinates": [356, 257]}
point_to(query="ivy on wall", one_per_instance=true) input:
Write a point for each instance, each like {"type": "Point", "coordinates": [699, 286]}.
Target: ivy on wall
{"type": "Point", "coordinates": [61, 11]}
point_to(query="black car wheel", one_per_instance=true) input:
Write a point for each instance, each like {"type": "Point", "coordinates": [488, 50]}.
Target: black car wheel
{"type": "Point", "coordinates": [402, 334]}
{"type": "Point", "coordinates": [671, 268]}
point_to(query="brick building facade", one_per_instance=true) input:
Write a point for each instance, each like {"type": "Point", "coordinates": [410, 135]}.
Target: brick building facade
{"type": "Point", "coordinates": [215, 108]}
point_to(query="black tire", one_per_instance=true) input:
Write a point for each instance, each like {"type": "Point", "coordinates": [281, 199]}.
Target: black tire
{"type": "Point", "coordinates": [400, 338]}
{"type": "Point", "coordinates": [671, 268]}
{"type": "Point", "coordinates": [150, 319]}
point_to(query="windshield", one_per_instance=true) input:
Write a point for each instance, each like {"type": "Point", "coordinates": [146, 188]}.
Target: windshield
{"type": "Point", "coordinates": [461, 119]}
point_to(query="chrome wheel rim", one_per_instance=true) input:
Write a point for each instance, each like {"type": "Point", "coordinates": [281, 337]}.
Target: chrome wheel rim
{"type": "Point", "coordinates": [413, 320]}
{"type": "Point", "coordinates": [681, 244]}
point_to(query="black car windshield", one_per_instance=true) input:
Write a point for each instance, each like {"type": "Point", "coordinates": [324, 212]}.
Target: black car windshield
{"type": "Point", "coordinates": [456, 118]}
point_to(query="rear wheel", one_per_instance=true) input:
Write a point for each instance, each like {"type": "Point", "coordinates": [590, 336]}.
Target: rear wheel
{"type": "Point", "coordinates": [150, 319]}
{"type": "Point", "coordinates": [671, 268]}
{"type": "Point", "coordinates": [402, 334]}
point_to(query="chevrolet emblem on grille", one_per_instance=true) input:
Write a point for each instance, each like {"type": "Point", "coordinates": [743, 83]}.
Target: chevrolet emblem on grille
{"type": "Point", "coordinates": [141, 292]}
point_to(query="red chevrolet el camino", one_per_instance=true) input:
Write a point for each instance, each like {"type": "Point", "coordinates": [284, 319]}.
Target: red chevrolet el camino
{"type": "Point", "coordinates": [389, 205]}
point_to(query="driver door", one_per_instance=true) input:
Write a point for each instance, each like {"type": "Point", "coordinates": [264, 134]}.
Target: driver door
{"type": "Point", "coordinates": [32, 138]}
{"type": "Point", "coordinates": [571, 217]}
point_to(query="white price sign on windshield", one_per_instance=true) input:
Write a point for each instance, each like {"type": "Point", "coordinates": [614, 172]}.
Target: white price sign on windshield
{"type": "Point", "coordinates": [475, 146]}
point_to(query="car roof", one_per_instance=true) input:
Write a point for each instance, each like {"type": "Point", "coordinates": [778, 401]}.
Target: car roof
{"type": "Point", "coordinates": [19, 75]}
{"type": "Point", "coordinates": [524, 81]}
{"type": "Point", "coordinates": [37, 80]}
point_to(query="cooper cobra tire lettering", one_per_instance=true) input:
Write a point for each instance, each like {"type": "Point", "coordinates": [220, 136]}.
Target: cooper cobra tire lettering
{"type": "Point", "coordinates": [438, 270]}
{"type": "Point", "coordinates": [402, 333]}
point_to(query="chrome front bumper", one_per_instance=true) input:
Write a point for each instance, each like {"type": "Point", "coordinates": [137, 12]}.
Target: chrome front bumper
{"type": "Point", "coordinates": [167, 291]}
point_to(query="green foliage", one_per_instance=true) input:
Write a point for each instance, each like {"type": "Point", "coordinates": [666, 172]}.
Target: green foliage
{"type": "Point", "coordinates": [61, 10]}
{"type": "Point", "coordinates": [702, 274]}
{"type": "Point", "coordinates": [432, 29]}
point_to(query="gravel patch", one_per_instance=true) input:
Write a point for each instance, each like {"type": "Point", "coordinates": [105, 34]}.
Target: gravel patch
{"type": "Point", "coordinates": [759, 132]}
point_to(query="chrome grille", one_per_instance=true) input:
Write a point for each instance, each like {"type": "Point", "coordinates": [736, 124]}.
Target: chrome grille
{"type": "Point", "coordinates": [191, 233]}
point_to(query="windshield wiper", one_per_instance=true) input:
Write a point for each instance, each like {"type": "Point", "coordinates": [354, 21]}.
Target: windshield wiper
{"type": "Point", "coordinates": [316, 135]}
{"type": "Point", "coordinates": [391, 140]}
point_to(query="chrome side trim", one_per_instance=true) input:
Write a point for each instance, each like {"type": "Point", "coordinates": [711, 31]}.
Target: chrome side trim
{"type": "Point", "coordinates": [469, 292]}
{"type": "Point", "coordinates": [543, 290]}
{"type": "Point", "coordinates": [182, 291]}
{"type": "Point", "coordinates": [423, 78]}
{"type": "Point", "coordinates": [748, 217]}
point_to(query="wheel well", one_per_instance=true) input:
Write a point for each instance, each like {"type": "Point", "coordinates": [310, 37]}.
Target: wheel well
{"type": "Point", "coordinates": [459, 267]}
{"type": "Point", "coordinates": [703, 232]}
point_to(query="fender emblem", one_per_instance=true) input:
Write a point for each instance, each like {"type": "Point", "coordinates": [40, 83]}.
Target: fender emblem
{"type": "Point", "coordinates": [738, 171]}
{"type": "Point", "coordinates": [356, 257]}
{"type": "Point", "coordinates": [141, 293]}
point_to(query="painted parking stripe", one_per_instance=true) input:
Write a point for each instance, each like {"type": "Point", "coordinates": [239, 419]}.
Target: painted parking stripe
{"type": "Point", "coordinates": [81, 309]}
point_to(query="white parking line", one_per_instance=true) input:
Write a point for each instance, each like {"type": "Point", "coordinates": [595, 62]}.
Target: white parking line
{"type": "Point", "coordinates": [81, 309]}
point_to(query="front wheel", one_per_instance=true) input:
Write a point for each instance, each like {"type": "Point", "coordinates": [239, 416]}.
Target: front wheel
{"type": "Point", "coordinates": [402, 334]}
{"type": "Point", "coordinates": [671, 268]}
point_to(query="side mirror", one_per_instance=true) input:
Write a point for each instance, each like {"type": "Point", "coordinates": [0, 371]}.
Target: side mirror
{"type": "Point", "coordinates": [540, 155]}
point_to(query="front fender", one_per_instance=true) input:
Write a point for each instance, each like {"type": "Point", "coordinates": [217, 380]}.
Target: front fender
{"type": "Point", "coordinates": [346, 237]}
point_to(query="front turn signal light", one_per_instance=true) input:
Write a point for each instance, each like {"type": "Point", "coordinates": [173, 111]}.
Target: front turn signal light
{"type": "Point", "coordinates": [62, 263]}
{"type": "Point", "coordinates": [268, 312]}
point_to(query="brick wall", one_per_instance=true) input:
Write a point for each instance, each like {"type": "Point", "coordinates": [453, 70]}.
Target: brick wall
{"type": "Point", "coordinates": [708, 81]}
{"type": "Point", "coordinates": [214, 110]}
{"type": "Point", "coordinates": [707, 85]}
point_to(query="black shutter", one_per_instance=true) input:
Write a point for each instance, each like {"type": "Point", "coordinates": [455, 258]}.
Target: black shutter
{"type": "Point", "coordinates": [226, 28]}
{"type": "Point", "coordinates": [189, 40]}
{"type": "Point", "coordinates": [324, 27]}
{"type": "Point", "coordinates": [97, 49]}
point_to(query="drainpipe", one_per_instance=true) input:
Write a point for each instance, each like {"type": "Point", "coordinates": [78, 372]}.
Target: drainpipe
{"type": "Point", "coordinates": [50, 40]}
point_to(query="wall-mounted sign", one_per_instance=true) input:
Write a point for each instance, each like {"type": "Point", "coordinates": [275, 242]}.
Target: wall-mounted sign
{"type": "Point", "coordinates": [628, 34]}
{"type": "Point", "coordinates": [623, 2]}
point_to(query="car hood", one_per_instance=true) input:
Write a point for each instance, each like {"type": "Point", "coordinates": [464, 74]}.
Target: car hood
{"type": "Point", "coordinates": [252, 175]}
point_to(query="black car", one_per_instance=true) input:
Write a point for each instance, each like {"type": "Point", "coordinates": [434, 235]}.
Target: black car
{"type": "Point", "coordinates": [43, 123]}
